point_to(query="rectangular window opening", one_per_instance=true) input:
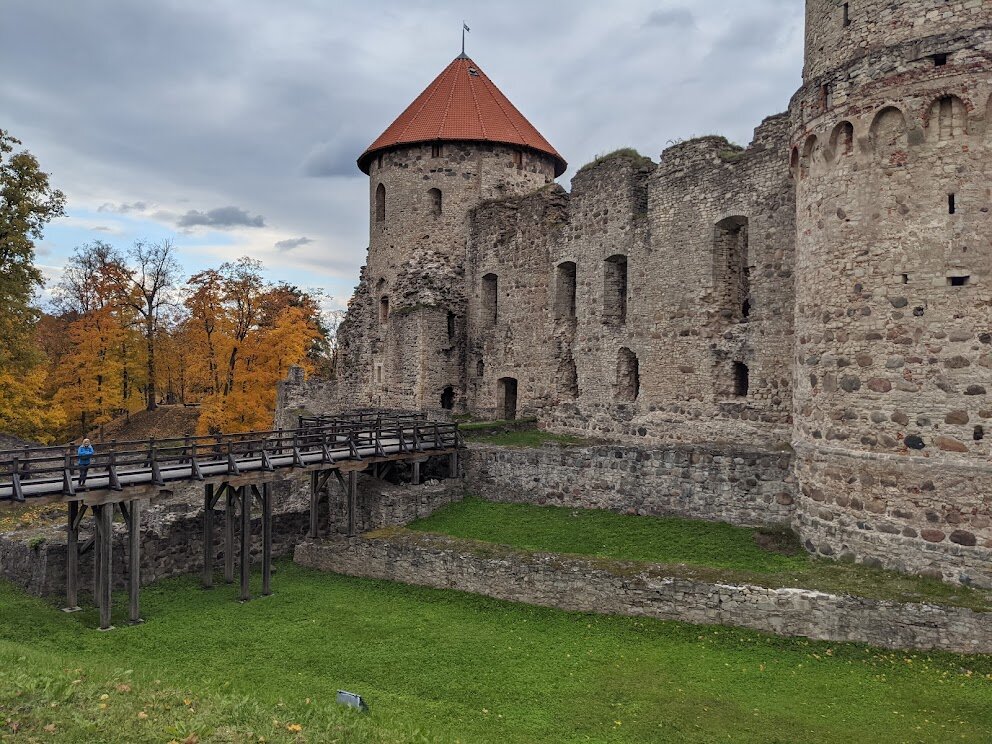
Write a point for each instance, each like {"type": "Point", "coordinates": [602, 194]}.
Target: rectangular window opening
{"type": "Point", "coordinates": [905, 278]}
{"type": "Point", "coordinates": [958, 281]}
{"type": "Point", "coordinates": [939, 60]}
{"type": "Point", "coordinates": [740, 380]}
{"type": "Point", "coordinates": [436, 150]}
{"type": "Point", "coordinates": [951, 205]}
{"type": "Point", "coordinates": [847, 14]}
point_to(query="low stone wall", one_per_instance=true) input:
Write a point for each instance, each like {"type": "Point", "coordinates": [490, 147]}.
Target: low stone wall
{"type": "Point", "coordinates": [622, 588]}
{"type": "Point", "coordinates": [172, 531]}
{"type": "Point", "coordinates": [728, 484]}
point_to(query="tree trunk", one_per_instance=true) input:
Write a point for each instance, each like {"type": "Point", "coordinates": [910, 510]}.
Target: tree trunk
{"type": "Point", "coordinates": [150, 343]}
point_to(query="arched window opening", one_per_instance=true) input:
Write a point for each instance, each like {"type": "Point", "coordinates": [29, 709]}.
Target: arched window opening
{"type": "Point", "coordinates": [628, 376]}
{"type": "Point", "coordinates": [434, 201]}
{"type": "Point", "coordinates": [948, 118]}
{"type": "Point", "coordinates": [732, 273]}
{"type": "Point", "coordinates": [615, 289]}
{"type": "Point", "coordinates": [490, 302]}
{"type": "Point", "coordinates": [740, 380]}
{"type": "Point", "coordinates": [383, 309]}
{"type": "Point", "coordinates": [794, 162]}
{"type": "Point", "coordinates": [565, 290]}
{"type": "Point", "coordinates": [380, 203]}
{"type": "Point", "coordinates": [480, 368]}
{"type": "Point", "coordinates": [451, 325]}
{"type": "Point", "coordinates": [507, 398]}
{"type": "Point", "coordinates": [448, 398]}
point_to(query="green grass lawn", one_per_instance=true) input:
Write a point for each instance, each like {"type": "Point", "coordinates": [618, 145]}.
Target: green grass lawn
{"type": "Point", "coordinates": [442, 666]}
{"type": "Point", "coordinates": [710, 550]}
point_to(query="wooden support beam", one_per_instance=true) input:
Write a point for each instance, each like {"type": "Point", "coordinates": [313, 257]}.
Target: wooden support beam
{"type": "Point", "coordinates": [105, 550]}
{"type": "Point", "coordinates": [352, 500]}
{"type": "Point", "coordinates": [245, 541]}
{"type": "Point", "coordinates": [314, 502]}
{"type": "Point", "coordinates": [266, 540]}
{"type": "Point", "coordinates": [231, 497]}
{"type": "Point", "coordinates": [134, 561]}
{"type": "Point", "coordinates": [207, 576]}
{"type": "Point", "coordinates": [416, 472]}
{"type": "Point", "coordinates": [72, 559]}
{"type": "Point", "coordinates": [453, 465]}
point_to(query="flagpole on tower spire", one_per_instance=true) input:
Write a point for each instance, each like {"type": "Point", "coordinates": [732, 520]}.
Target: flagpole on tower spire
{"type": "Point", "coordinates": [464, 29]}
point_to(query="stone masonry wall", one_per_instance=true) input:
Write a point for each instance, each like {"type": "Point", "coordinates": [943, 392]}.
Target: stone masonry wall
{"type": "Point", "coordinates": [742, 487]}
{"type": "Point", "coordinates": [614, 587]}
{"type": "Point", "coordinates": [708, 237]}
{"type": "Point", "coordinates": [892, 156]}
{"type": "Point", "coordinates": [513, 240]}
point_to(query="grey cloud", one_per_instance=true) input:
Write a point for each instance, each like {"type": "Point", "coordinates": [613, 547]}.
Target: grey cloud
{"type": "Point", "coordinates": [222, 217]}
{"type": "Point", "coordinates": [291, 243]}
{"type": "Point", "coordinates": [671, 18]}
{"type": "Point", "coordinates": [123, 207]}
{"type": "Point", "coordinates": [337, 158]}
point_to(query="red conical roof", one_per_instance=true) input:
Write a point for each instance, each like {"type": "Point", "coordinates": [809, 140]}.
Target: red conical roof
{"type": "Point", "coordinates": [462, 104]}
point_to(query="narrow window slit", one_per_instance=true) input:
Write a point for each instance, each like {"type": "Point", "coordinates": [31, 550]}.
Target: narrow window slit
{"type": "Point", "coordinates": [951, 205]}
{"type": "Point", "coordinates": [740, 380]}
{"type": "Point", "coordinates": [847, 14]}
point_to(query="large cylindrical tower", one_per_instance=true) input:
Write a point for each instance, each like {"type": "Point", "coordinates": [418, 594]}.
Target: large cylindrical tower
{"type": "Point", "coordinates": [893, 390]}
{"type": "Point", "coordinates": [459, 143]}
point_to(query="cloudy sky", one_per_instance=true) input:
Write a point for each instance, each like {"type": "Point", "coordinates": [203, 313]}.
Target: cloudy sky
{"type": "Point", "coordinates": [232, 126]}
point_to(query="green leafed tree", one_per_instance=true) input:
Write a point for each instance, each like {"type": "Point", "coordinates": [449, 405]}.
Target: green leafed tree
{"type": "Point", "coordinates": [27, 203]}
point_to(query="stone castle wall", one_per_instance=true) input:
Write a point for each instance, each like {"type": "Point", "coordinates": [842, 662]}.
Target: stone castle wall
{"type": "Point", "coordinates": [620, 588]}
{"type": "Point", "coordinates": [827, 286]}
{"type": "Point", "coordinates": [739, 486]}
{"type": "Point", "coordinates": [891, 156]}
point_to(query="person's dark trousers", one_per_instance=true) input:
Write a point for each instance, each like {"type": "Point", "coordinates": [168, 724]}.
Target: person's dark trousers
{"type": "Point", "coordinates": [82, 474]}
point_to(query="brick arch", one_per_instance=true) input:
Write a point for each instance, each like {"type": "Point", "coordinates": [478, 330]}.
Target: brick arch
{"type": "Point", "coordinates": [889, 135]}
{"type": "Point", "coordinates": [946, 119]}
{"type": "Point", "coordinates": [841, 143]}
{"type": "Point", "coordinates": [809, 154]}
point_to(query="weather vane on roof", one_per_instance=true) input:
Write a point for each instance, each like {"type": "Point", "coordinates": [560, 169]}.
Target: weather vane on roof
{"type": "Point", "coordinates": [464, 29]}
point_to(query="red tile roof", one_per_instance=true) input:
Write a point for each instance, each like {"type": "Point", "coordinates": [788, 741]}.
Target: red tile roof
{"type": "Point", "coordinates": [462, 105]}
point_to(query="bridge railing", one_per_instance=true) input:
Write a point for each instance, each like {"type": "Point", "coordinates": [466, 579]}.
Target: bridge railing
{"type": "Point", "coordinates": [38, 471]}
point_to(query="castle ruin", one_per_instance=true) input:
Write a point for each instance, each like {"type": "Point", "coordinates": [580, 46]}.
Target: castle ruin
{"type": "Point", "coordinates": [823, 294]}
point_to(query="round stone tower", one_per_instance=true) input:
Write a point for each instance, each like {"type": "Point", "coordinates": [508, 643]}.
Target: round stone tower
{"type": "Point", "coordinates": [459, 143]}
{"type": "Point", "coordinates": [893, 390]}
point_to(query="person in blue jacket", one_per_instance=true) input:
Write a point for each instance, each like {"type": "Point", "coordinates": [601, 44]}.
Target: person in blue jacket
{"type": "Point", "coordinates": [83, 456]}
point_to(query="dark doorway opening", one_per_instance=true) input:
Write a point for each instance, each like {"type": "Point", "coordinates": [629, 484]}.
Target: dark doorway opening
{"type": "Point", "coordinates": [507, 400]}
{"type": "Point", "coordinates": [448, 398]}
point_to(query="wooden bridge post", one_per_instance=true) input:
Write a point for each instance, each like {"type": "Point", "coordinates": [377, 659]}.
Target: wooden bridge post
{"type": "Point", "coordinates": [266, 540]}
{"type": "Point", "coordinates": [245, 541]}
{"type": "Point", "coordinates": [453, 465]}
{"type": "Point", "coordinates": [105, 551]}
{"type": "Point", "coordinates": [134, 561]}
{"type": "Point", "coordinates": [207, 576]}
{"type": "Point", "coordinates": [231, 497]}
{"type": "Point", "coordinates": [72, 559]}
{"type": "Point", "coordinates": [416, 472]}
{"type": "Point", "coordinates": [352, 498]}
{"type": "Point", "coordinates": [314, 503]}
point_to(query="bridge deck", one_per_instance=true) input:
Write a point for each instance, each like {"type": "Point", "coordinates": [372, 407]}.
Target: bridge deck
{"type": "Point", "coordinates": [120, 471]}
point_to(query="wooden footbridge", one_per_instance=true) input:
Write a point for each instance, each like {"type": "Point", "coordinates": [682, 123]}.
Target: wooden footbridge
{"type": "Point", "coordinates": [236, 467]}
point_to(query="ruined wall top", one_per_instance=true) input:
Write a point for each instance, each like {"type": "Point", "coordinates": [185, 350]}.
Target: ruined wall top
{"type": "Point", "coordinates": [838, 31]}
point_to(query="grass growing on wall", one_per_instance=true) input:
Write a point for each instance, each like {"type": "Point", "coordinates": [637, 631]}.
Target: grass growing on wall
{"type": "Point", "coordinates": [439, 666]}
{"type": "Point", "coordinates": [720, 551]}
